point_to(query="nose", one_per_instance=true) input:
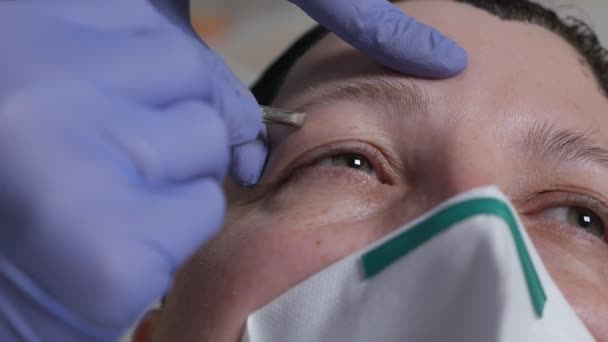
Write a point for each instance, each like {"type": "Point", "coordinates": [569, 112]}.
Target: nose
{"type": "Point", "coordinates": [464, 160]}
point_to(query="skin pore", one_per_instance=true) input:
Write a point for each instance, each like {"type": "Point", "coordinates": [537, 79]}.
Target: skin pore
{"type": "Point", "coordinates": [380, 149]}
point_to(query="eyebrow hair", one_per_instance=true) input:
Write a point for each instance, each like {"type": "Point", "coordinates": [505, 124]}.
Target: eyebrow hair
{"type": "Point", "coordinates": [402, 100]}
{"type": "Point", "coordinates": [399, 98]}
{"type": "Point", "coordinates": [563, 146]}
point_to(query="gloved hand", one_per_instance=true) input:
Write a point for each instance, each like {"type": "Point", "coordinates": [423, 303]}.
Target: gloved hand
{"type": "Point", "coordinates": [385, 34]}
{"type": "Point", "coordinates": [116, 131]}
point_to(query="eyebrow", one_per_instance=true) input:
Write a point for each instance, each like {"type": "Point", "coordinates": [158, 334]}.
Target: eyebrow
{"type": "Point", "coordinates": [401, 98]}
{"type": "Point", "coordinates": [563, 146]}
{"type": "Point", "coordinates": [397, 98]}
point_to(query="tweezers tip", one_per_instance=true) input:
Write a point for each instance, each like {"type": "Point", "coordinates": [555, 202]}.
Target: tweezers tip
{"type": "Point", "coordinates": [272, 115]}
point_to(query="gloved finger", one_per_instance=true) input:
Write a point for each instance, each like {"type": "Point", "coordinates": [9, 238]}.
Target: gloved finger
{"type": "Point", "coordinates": [186, 70]}
{"type": "Point", "coordinates": [248, 161]}
{"type": "Point", "coordinates": [110, 15]}
{"type": "Point", "coordinates": [247, 133]}
{"type": "Point", "coordinates": [237, 106]}
{"type": "Point", "coordinates": [387, 35]}
{"type": "Point", "coordinates": [137, 69]}
{"type": "Point", "coordinates": [152, 67]}
{"type": "Point", "coordinates": [156, 226]}
{"type": "Point", "coordinates": [186, 141]}
{"type": "Point", "coordinates": [184, 218]}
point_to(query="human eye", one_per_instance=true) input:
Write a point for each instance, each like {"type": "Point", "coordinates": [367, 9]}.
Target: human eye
{"type": "Point", "coordinates": [349, 160]}
{"type": "Point", "coordinates": [581, 212]}
{"type": "Point", "coordinates": [353, 160]}
{"type": "Point", "coordinates": [580, 218]}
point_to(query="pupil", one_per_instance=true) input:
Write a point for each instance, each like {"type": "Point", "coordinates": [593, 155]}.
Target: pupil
{"type": "Point", "coordinates": [355, 162]}
{"type": "Point", "coordinates": [584, 220]}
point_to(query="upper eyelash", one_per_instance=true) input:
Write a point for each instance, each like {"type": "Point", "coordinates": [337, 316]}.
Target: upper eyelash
{"type": "Point", "coordinates": [584, 201]}
{"type": "Point", "coordinates": [336, 148]}
{"type": "Point", "coordinates": [581, 201]}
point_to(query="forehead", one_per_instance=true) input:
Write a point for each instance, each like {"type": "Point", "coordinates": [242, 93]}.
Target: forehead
{"type": "Point", "coordinates": [515, 69]}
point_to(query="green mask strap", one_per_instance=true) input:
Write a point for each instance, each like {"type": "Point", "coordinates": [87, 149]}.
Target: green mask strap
{"type": "Point", "coordinates": [401, 245]}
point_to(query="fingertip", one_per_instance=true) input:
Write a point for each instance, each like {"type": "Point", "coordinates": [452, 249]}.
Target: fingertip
{"type": "Point", "coordinates": [419, 50]}
{"type": "Point", "coordinates": [389, 36]}
{"type": "Point", "coordinates": [448, 59]}
{"type": "Point", "coordinates": [429, 55]}
{"type": "Point", "coordinates": [248, 161]}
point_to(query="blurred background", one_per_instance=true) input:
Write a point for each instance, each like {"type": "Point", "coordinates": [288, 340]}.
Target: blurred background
{"type": "Point", "coordinates": [250, 34]}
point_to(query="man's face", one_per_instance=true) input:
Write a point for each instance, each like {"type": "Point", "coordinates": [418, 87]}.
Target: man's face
{"type": "Point", "coordinates": [379, 149]}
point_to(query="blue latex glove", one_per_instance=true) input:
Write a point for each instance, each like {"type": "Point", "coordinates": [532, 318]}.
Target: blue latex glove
{"type": "Point", "coordinates": [385, 34]}
{"type": "Point", "coordinates": [116, 130]}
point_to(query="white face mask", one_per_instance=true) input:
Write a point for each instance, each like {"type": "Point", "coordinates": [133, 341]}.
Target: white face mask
{"type": "Point", "coordinates": [465, 271]}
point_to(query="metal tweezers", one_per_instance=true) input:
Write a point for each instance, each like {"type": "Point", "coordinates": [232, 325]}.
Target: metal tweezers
{"type": "Point", "coordinates": [279, 116]}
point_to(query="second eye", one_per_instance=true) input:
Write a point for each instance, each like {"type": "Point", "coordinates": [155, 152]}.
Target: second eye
{"type": "Point", "coordinates": [348, 160]}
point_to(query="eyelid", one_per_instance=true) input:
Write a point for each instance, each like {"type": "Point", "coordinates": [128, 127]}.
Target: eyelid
{"type": "Point", "coordinates": [585, 201]}
{"type": "Point", "coordinates": [379, 161]}
{"type": "Point", "coordinates": [569, 199]}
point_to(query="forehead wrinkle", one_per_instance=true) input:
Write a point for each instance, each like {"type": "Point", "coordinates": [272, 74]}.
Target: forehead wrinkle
{"type": "Point", "coordinates": [546, 142]}
{"type": "Point", "coordinates": [398, 98]}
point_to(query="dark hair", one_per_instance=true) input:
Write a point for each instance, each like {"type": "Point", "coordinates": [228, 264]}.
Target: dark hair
{"type": "Point", "coordinates": [573, 30]}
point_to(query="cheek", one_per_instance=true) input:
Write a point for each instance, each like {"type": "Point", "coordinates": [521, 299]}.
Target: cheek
{"type": "Point", "coordinates": [260, 255]}
{"type": "Point", "coordinates": [274, 253]}
{"type": "Point", "coordinates": [320, 218]}
{"type": "Point", "coordinates": [278, 241]}
{"type": "Point", "coordinates": [579, 266]}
